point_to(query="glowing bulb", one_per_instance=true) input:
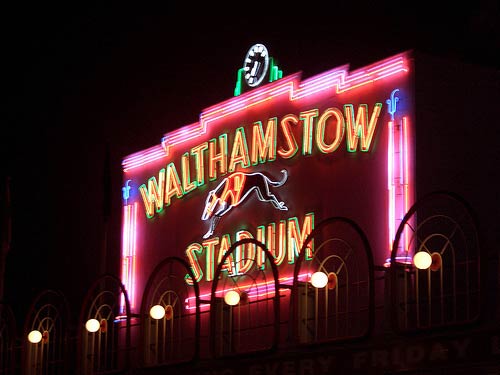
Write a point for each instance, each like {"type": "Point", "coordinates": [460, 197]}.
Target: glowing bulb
{"type": "Point", "coordinates": [92, 325]}
{"type": "Point", "coordinates": [422, 260]}
{"type": "Point", "coordinates": [319, 279]}
{"type": "Point", "coordinates": [157, 312]}
{"type": "Point", "coordinates": [35, 336]}
{"type": "Point", "coordinates": [232, 298]}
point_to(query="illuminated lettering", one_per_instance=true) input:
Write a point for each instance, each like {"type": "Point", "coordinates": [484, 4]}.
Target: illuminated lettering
{"type": "Point", "coordinates": [197, 153]}
{"type": "Point", "coordinates": [264, 146]}
{"type": "Point", "coordinates": [361, 129]}
{"type": "Point", "coordinates": [225, 244]}
{"type": "Point", "coordinates": [308, 118]}
{"type": "Point", "coordinates": [187, 185]}
{"type": "Point", "coordinates": [193, 260]}
{"type": "Point", "coordinates": [173, 184]}
{"type": "Point", "coordinates": [153, 195]}
{"type": "Point", "coordinates": [290, 238]}
{"type": "Point", "coordinates": [215, 157]}
{"type": "Point", "coordinates": [209, 245]}
{"type": "Point", "coordinates": [289, 138]}
{"type": "Point", "coordinates": [321, 130]}
{"type": "Point", "coordinates": [239, 153]}
{"type": "Point", "coordinates": [260, 236]}
{"type": "Point", "coordinates": [338, 130]}
{"type": "Point", "coordinates": [280, 253]}
{"type": "Point", "coordinates": [296, 237]}
{"type": "Point", "coordinates": [245, 254]}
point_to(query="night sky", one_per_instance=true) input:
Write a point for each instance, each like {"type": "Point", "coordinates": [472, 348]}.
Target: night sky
{"type": "Point", "coordinates": [86, 87]}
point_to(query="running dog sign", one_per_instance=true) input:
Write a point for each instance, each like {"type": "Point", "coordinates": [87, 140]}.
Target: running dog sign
{"type": "Point", "coordinates": [268, 164]}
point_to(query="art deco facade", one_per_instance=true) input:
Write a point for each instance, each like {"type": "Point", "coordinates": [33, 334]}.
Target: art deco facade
{"type": "Point", "coordinates": [230, 265]}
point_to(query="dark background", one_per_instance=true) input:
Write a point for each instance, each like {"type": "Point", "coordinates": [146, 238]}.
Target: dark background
{"type": "Point", "coordinates": [85, 87]}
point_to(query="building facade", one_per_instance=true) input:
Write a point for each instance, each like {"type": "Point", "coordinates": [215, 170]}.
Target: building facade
{"type": "Point", "coordinates": [340, 223]}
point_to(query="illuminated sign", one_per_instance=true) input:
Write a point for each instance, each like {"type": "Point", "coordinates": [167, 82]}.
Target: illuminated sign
{"type": "Point", "coordinates": [283, 239]}
{"type": "Point", "coordinates": [213, 159]}
{"type": "Point", "coordinates": [233, 190]}
{"type": "Point", "coordinates": [268, 164]}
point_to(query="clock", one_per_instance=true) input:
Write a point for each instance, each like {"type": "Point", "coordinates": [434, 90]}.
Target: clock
{"type": "Point", "coordinates": [255, 65]}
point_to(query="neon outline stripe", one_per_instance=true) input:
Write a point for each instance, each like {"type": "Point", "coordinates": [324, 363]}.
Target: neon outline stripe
{"type": "Point", "coordinates": [285, 281]}
{"type": "Point", "coordinates": [403, 181]}
{"type": "Point", "coordinates": [406, 180]}
{"type": "Point", "coordinates": [337, 79]}
{"type": "Point", "coordinates": [129, 248]}
{"type": "Point", "coordinates": [390, 183]}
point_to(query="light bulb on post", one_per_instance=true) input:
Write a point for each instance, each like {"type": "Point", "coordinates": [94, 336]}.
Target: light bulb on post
{"type": "Point", "coordinates": [422, 260]}
{"type": "Point", "coordinates": [232, 298]}
{"type": "Point", "coordinates": [157, 312]}
{"type": "Point", "coordinates": [319, 279]}
{"type": "Point", "coordinates": [92, 325]}
{"type": "Point", "coordinates": [35, 336]}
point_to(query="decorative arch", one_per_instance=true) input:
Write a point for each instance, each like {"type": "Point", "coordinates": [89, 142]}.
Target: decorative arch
{"type": "Point", "coordinates": [106, 347]}
{"type": "Point", "coordinates": [173, 337]}
{"type": "Point", "coordinates": [253, 323]}
{"type": "Point", "coordinates": [343, 308]}
{"type": "Point", "coordinates": [46, 336]}
{"type": "Point", "coordinates": [447, 293]}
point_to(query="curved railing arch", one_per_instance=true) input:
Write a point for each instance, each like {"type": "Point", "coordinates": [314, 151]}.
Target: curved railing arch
{"type": "Point", "coordinates": [175, 336]}
{"type": "Point", "coordinates": [107, 348]}
{"type": "Point", "coordinates": [443, 225]}
{"type": "Point", "coordinates": [344, 307]}
{"type": "Point", "coordinates": [253, 324]}
{"type": "Point", "coordinates": [48, 317]}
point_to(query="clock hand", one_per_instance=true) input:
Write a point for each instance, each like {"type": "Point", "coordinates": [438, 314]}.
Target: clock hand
{"type": "Point", "coordinates": [255, 67]}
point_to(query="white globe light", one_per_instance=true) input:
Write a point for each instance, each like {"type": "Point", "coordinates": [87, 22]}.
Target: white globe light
{"type": "Point", "coordinates": [232, 298]}
{"type": "Point", "coordinates": [35, 336]}
{"type": "Point", "coordinates": [157, 312]}
{"type": "Point", "coordinates": [92, 325]}
{"type": "Point", "coordinates": [319, 279]}
{"type": "Point", "coordinates": [422, 260]}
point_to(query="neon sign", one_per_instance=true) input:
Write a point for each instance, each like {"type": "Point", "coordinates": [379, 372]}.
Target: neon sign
{"type": "Point", "coordinates": [213, 158]}
{"type": "Point", "coordinates": [338, 80]}
{"type": "Point", "coordinates": [234, 189]}
{"type": "Point", "coordinates": [284, 240]}
{"type": "Point", "coordinates": [344, 138]}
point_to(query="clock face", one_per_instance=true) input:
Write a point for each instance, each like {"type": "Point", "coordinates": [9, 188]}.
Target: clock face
{"type": "Point", "coordinates": [256, 64]}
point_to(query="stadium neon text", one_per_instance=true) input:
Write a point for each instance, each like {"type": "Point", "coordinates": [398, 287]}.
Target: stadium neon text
{"type": "Point", "coordinates": [283, 138]}
{"type": "Point", "coordinates": [283, 239]}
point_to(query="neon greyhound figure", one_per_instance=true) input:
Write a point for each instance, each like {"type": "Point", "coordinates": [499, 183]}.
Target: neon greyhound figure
{"type": "Point", "coordinates": [233, 190]}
